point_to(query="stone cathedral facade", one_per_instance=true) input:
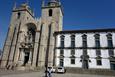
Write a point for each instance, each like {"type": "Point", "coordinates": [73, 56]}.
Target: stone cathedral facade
{"type": "Point", "coordinates": [32, 42]}
{"type": "Point", "coordinates": [29, 40]}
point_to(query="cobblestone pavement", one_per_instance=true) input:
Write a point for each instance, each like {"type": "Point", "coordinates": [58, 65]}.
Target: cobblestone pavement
{"type": "Point", "coordinates": [41, 74]}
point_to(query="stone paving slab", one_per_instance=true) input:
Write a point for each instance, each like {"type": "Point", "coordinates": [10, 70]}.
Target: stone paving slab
{"type": "Point", "coordinates": [41, 74]}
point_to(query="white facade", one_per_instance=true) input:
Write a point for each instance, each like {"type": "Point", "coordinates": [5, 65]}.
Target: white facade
{"type": "Point", "coordinates": [91, 49]}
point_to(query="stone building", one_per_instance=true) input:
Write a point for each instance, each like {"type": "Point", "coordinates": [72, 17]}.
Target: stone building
{"type": "Point", "coordinates": [32, 42]}
{"type": "Point", "coordinates": [88, 49]}
{"type": "Point", "coordinates": [29, 40]}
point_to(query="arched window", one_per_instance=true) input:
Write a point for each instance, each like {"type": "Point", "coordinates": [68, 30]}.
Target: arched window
{"type": "Point", "coordinates": [109, 39]}
{"type": "Point", "coordinates": [50, 12]}
{"type": "Point", "coordinates": [84, 38]}
{"type": "Point", "coordinates": [62, 40]}
{"type": "Point", "coordinates": [97, 40]}
{"type": "Point", "coordinates": [97, 44]}
{"type": "Point", "coordinates": [72, 41]}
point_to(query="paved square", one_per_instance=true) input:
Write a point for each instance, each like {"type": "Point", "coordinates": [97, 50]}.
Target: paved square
{"type": "Point", "coordinates": [41, 74]}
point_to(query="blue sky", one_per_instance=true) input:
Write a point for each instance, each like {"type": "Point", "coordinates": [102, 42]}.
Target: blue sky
{"type": "Point", "coordinates": [78, 14]}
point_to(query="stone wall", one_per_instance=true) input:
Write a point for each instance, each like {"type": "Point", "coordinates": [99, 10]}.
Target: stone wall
{"type": "Point", "coordinates": [90, 71]}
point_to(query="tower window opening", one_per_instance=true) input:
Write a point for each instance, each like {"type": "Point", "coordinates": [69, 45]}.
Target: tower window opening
{"type": "Point", "coordinates": [50, 12]}
{"type": "Point", "coordinates": [18, 15]}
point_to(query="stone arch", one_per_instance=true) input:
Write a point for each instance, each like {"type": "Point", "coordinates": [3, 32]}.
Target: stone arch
{"type": "Point", "coordinates": [31, 25]}
{"type": "Point", "coordinates": [31, 31]}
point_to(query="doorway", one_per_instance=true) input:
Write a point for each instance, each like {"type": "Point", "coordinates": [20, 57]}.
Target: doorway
{"type": "Point", "coordinates": [26, 58]}
{"type": "Point", "coordinates": [112, 65]}
{"type": "Point", "coordinates": [85, 64]}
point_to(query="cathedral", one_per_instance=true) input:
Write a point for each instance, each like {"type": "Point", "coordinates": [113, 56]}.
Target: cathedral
{"type": "Point", "coordinates": [32, 42]}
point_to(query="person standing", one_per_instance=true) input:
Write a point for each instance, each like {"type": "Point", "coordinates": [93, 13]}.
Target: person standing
{"type": "Point", "coordinates": [49, 72]}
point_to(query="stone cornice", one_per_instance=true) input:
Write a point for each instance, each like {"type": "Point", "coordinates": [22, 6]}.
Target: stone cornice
{"type": "Point", "coordinates": [85, 48]}
{"type": "Point", "coordinates": [84, 31]}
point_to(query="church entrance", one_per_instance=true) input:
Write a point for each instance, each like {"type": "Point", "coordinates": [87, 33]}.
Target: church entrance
{"type": "Point", "coordinates": [26, 58]}
{"type": "Point", "coordinates": [112, 65]}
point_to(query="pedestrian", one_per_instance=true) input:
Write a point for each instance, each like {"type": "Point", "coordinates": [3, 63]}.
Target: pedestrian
{"type": "Point", "coordinates": [49, 72]}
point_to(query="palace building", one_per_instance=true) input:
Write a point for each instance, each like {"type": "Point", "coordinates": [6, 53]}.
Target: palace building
{"type": "Point", "coordinates": [87, 49]}
{"type": "Point", "coordinates": [32, 42]}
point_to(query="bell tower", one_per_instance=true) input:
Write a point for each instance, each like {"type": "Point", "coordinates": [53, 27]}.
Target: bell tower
{"type": "Point", "coordinates": [22, 19]}
{"type": "Point", "coordinates": [52, 20]}
{"type": "Point", "coordinates": [52, 13]}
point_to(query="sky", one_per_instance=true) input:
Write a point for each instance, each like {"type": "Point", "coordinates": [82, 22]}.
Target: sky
{"type": "Point", "coordinates": [78, 14]}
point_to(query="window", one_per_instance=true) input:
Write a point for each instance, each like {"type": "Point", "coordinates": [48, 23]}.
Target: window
{"type": "Point", "coordinates": [99, 62]}
{"type": "Point", "coordinates": [72, 60]}
{"type": "Point", "coordinates": [61, 62]}
{"type": "Point", "coordinates": [109, 38]}
{"type": "Point", "coordinates": [50, 12]}
{"type": "Point", "coordinates": [97, 40]}
{"type": "Point", "coordinates": [18, 15]}
{"type": "Point", "coordinates": [84, 51]}
{"type": "Point", "coordinates": [61, 52]}
{"type": "Point", "coordinates": [73, 41]}
{"type": "Point", "coordinates": [98, 52]}
{"type": "Point", "coordinates": [111, 52]}
{"type": "Point", "coordinates": [72, 52]}
{"type": "Point", "coordinates": [84, 38]}
{"type": "Point", "coordinates": [62, 41]}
